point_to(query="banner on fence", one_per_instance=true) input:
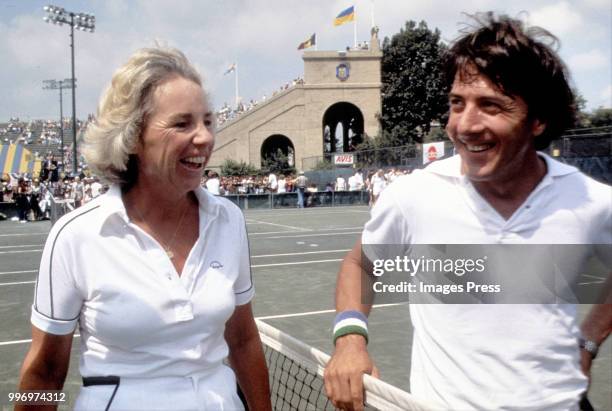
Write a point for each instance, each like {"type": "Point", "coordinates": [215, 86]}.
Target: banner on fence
{"type": "Point", "coordinates": [432, 151]}
{"type": "Point", "coordinates": [344, 159]}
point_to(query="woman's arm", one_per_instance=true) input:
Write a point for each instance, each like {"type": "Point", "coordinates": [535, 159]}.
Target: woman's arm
{"type": "Point", "coordinates": [45, 365]}
{"type": "Point", "coordinates": [247, 358]}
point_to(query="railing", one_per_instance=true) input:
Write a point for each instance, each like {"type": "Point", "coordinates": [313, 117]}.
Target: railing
{"type": "Point", "coordinates": [289, 200]}
{"type": "Point", "coordinates": [59, 207]}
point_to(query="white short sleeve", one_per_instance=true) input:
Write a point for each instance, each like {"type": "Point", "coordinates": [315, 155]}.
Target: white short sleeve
{"type": "Point", "coordinates": [387, 224]}
{"type": "Point", "coordinates": [57, 300]}
{"type": "Point", "coordinates": [243, 287]}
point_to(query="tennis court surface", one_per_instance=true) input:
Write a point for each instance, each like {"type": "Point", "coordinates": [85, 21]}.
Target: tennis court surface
{"type": "Point", "coordinates": [295, 255]}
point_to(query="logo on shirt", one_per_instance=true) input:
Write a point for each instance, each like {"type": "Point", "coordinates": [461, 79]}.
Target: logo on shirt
{"type": "Point", "coordinates": [216, 264]}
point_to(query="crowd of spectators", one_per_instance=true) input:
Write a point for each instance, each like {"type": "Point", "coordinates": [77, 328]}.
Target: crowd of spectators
{"type": "Point", "coordinates": [32, 194]}
{"type": "Point", "coordinates": [36, 132]}
{"type": "Point", "coordinates": [374, 182]}
{"type": "Point", "coordinates": [227, 113]}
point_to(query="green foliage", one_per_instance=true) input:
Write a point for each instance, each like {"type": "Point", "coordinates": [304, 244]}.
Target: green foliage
{"type": "Point", "coordinates": [384, 150]}
{"type": "Point", "coordinates": [582, 117]}
{"type": "Point", "coordinates": [278, 163]}
{"type": "Point", "coordinates": [436, 134]}
{"type": "Point", "coordinates": [234, 168]}
{"type": "Point", "coordinates": [601, 117]}
{"type": "Point", "coordinates": [413, 85]}
{"type": "Point", "coordinates": [324, 164]}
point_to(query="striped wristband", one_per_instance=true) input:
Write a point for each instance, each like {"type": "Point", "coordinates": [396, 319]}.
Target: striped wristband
{"type": "Point", "coordinates": [350, 322]}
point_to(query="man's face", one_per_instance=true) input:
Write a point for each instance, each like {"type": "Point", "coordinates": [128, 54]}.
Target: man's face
{"type": "Point", "coordinates": [490, 130]}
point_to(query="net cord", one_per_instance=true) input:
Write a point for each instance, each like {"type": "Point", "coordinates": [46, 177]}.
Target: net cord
{"type": "Point", "coordinates": [379, 394]}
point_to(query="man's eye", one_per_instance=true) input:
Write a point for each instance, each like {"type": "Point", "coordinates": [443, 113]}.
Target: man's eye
{"type": "Point", "coordinates": [491, 106]}
{"type": "Point", "coordinates": [455, 102]}
{"type": "Point", "coordinates": [181, 124]}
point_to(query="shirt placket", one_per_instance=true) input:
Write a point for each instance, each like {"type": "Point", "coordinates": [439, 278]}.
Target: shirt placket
{"type": "Point", "coordinates": [509, 230]}
{"type": "Point", "coordinates": [160, 262]}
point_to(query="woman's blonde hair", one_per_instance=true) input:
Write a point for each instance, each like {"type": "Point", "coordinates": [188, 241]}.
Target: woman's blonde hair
{"type": "Point", "coordinates": [112, 138]}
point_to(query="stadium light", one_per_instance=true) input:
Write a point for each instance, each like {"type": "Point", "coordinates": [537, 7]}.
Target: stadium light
{"type": "Point", "coordinates": [79, 21]}
{"type": "Point", "coordinates": [60, 85]}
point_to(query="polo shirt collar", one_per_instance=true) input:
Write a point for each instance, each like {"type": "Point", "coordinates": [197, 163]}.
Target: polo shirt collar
{"type": "Point", "coordinates": [451, 167]}
{"type": "Point", "coordinates": [209, 206]}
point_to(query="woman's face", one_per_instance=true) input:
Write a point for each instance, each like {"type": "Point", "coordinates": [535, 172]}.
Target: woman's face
{"type": "Point", "coordinates": [177, 139]}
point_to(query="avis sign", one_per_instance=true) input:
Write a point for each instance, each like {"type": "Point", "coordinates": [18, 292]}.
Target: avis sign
{"type": "Point", "coordinates": [344, 159]}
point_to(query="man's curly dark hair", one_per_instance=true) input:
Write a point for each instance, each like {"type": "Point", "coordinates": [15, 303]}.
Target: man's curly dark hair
{"type": "Point", "coordinates": [521, 62]}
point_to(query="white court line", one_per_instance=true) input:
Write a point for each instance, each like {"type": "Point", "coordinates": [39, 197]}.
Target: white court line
{"type": "Point", "coordinates": [312, 230]}
{"type": "Point", "coordinates": [252, 266]}
{"type": "Point", "coordinates": [17, 272]}
{"type": "Point", "coordinates": [21, 246]}
{"type": "Point", "coordinates": [21, 251]}
{"type": "Point", "coordinates": [313, 235]}
{"type": "Point", "coordinates": [25, 341]}
{"type": "Point", "coordinates": [298, 263]}
{"type": "Point", "coordinates": [21, 234]}
{"type": "Point", "coordinates": [592, 282]}
{"type": "Point", "coordinates": [281, 225]}
{"type": "Point", "coordinates": [272, 317]}
{"type": "Point", "coordinates": [21, 282]}
{"type": "Point", "coordinates": [593, 276]}
{"type": "Point", "coordinates": [307, 252]}
{"type": "Point", "coordinates": [316, 211]}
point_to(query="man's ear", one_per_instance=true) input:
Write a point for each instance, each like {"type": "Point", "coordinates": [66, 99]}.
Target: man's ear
{"type": "Point", "coordinates": [538, 127]}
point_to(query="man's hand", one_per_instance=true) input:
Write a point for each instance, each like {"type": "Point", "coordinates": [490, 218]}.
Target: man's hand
{"type": "Point", "coordinates": [344, 372]}
{"type": "Point", "coordinates": [586, 360]}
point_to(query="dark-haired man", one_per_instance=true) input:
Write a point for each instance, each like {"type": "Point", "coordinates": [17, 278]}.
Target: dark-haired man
{"type": "Point", "coordinates": [509, 96]}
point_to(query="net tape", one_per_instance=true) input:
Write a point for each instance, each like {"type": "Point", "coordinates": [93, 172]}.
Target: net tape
{"type": "Point", "coordinates": [296, 372]}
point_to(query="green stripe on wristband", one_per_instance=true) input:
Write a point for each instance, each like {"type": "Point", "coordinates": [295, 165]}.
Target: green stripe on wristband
{"type": "Point", "coordinates": [351, 329]}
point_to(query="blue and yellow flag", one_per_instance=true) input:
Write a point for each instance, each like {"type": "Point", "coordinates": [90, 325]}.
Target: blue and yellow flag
{"type": "Point", "coordinates": [345, 16]}
{"type": "Point", "coordinates": [14, 158]}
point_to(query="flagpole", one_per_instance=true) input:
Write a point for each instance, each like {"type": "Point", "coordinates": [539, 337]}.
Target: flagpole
{"type": "Point", "coordinates": [236, 83]}
{"type": "Point", "coordinates": [355, 27]}
{"type": "Point", "coordinates": [372, 13]}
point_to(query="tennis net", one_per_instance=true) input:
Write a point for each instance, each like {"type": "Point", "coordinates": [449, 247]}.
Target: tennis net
{"type": "Point", "coordinates": [296, 377]}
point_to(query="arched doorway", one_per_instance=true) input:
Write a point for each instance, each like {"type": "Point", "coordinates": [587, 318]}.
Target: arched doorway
{"type": "Point", "coordinates": [277, 153]}
{"type": "Point", "coordinates": [342, 128]}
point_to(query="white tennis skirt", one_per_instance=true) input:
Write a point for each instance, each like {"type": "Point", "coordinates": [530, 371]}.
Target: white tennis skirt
{"type": "Point", "coordinates": [214, 390]}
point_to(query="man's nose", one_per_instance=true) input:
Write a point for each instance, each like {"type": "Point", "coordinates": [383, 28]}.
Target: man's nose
{"type": "Point", "coordinates": [470, 120]}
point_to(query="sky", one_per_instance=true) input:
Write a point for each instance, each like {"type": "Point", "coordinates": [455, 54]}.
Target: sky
{"type": "Point", "coordinates": [261, 36]}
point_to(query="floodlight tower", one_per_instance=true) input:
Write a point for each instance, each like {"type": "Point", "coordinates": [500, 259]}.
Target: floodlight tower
{"type": "Point", "coordinates": [79, 21]}
{"type": "Point", "coordinates": [60, 85]}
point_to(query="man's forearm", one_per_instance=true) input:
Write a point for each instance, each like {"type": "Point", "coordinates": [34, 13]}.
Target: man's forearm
{"type": "Point", "coordinates": [349, 292]}
{"type": "Point", "coordinates": [598, 323]}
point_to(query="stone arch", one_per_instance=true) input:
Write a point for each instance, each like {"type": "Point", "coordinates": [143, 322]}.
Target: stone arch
{"type": "Point", "coordinates": [342, 128]}
{"type": "Point", "coordinates": [278, 145]}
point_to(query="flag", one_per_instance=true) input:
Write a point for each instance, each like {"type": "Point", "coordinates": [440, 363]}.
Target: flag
{"type": "Point", "coordinates": [230, 69]}
{"type": "Point", "coordinates": [345, 16]}
{"type": "Point", "coordinates": [308, 43]}
{"type": "Point", "coordinates": [14, 158]}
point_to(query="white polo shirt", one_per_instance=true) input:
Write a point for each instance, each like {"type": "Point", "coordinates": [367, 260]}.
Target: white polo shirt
{"type": "Point", "coordinates": [137, 317]}
{"type": "Point", "coordinates": [493, 356]}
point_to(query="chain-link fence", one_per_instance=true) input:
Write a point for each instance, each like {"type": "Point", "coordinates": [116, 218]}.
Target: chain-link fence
{"type": "Point", "coordinates": [588, 149]}
{"type": "Point", "coordinates": [409, 156]}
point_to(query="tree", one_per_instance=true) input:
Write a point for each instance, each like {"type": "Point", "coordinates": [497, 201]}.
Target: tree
{"type": "Point", "coordinates": [234, 168]}
{"type": "Point", "coordinates": [413, 87]}
{"type": "Point", "coordinates": [278, 163]}
{"type": "Point", "coordinates": [601, 117]}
